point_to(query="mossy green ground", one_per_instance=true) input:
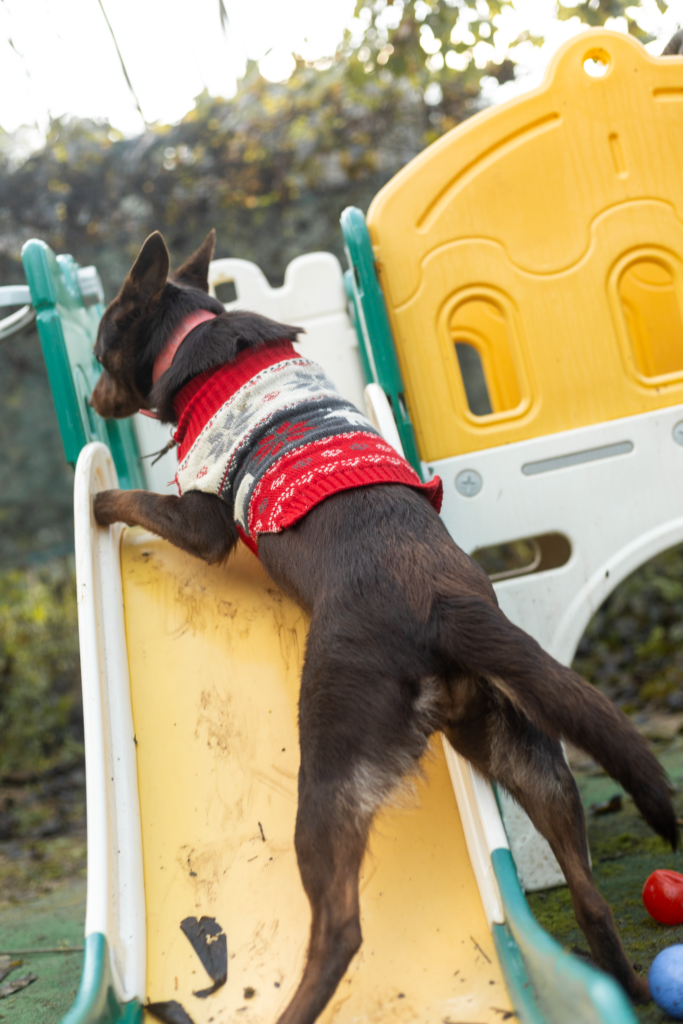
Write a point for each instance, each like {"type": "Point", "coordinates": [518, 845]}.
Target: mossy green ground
{"type": "Point", "coordinates": [42, 889]}
{"type": "Point", "coordinates": [42, 893]}
{"type": "Point", "coordinates": [624, 852]}
{"type": "Point", "coordinates": [51, 920]}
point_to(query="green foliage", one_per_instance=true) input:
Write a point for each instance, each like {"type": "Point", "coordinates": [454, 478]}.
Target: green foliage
{"type": "Point", "coordinates": [449, 43]}
{"type": "Point", "coordinates": [271, 169]}
{"type": "Point", "coordinates": [40, 709]}
{"type": "Point", "coordinates": [633, 646]}
{"type": "Point", "coordinates": [596, 12]}
{"type": "Point", "coordinates": [420, 43]}
{"type": "Point", "coordinates": [29, 868]}
{"type": "Point", "coordinates": [36, 504]}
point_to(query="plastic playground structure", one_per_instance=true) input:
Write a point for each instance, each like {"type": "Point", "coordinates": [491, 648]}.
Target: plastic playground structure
{"type": "Point", "coordinates": [514, 305]}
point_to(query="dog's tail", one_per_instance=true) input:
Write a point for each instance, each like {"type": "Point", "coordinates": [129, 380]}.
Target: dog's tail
{"type": "Point", "coordinates": [559, 702]}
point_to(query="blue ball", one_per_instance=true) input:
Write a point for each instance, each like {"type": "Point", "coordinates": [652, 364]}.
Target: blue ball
{"type": "Point", "coordinates": [666, 981]}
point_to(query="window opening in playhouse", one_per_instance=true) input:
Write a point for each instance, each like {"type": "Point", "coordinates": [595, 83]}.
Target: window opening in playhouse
{"type": "Point", "coordinates": [650, 292]}
{"type": "Point", "coordinates": [473, 379]}
{"type": "Point", "coordinates": [226, 291]}
{"type": "Point", "coordinates": [524, 556]}
{"type": "Point", "coordinates": [480, 330]}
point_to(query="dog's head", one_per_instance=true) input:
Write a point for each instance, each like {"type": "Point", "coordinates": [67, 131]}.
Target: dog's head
{"type": "Point", "coordinates": [131, 331]}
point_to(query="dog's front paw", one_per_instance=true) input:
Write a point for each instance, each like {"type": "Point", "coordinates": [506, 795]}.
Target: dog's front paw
{"type": "Point", "coordinates": [105, 505]}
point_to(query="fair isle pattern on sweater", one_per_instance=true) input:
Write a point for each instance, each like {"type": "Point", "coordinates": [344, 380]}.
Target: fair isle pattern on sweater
{"type": "Point", "coordinates": [271, 435]}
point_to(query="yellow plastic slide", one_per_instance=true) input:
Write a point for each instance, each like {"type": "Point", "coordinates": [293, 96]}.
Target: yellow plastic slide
{"type": "Point", "coordinates": [190, 686]}
{"type": "Point", "coordinates": [214, 658]}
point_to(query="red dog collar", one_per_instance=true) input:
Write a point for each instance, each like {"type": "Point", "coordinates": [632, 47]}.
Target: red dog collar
{"type": "Point", "coordinates": [167, 354]}
{"type": "Point", "coordinates": [165, 357]}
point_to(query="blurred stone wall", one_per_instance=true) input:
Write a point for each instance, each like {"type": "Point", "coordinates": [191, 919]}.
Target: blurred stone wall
{"type": "Point", "coordinates": [36, 518]}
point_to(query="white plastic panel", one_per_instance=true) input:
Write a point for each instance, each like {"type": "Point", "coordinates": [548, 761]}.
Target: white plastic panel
{"type": "Point", "coordinates": [617, 509]}
{"type": "Point", "coordinates": [312, 297]}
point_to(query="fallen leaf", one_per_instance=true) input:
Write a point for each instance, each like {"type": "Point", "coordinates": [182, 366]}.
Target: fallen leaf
{"type": "Point", "coordinates": [7, 965]}
{"type": "Point", "coordinates": [10, 987]}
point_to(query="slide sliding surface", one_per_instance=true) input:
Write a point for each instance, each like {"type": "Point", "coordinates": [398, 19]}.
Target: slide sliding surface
{"type": "Point", "coordinates": [214, 657]}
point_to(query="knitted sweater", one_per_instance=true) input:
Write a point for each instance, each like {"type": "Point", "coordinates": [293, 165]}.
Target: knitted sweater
{"type": "Point", "coordinates": [270, 434]}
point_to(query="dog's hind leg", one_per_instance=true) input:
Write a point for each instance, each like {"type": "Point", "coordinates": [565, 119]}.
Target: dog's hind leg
{"type": "Point", "coordinates": [532, 767]}
{"type": "Point", "coordinates": [475, 634]}
{"type": "Point", "coordinates": [360, 734]}
{"type": "Point", "coordinates": [330, 842]}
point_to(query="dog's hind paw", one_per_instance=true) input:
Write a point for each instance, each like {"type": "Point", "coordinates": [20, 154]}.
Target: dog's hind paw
{"type": "Point", "coordinates": [640, 991]}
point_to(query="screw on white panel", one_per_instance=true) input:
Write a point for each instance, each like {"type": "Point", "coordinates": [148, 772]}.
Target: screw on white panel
{"type": "Point", "coordinates": [678, 432]}
{"type": "Point", "coordinates": [469, 482]}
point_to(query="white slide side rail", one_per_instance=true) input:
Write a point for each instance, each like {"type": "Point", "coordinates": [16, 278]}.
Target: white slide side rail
{"type": "Point", "coordinates": [115, 888]}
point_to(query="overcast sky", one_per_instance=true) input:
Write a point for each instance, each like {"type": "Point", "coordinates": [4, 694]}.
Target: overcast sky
{"type": "Point", "coordinates": [62, 59]}
{"type": "Point", "coordinates": [57, 56]}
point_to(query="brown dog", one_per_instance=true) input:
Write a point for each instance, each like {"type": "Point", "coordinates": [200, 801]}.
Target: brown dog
{"type": "Point", "coordinates": [406, 638]}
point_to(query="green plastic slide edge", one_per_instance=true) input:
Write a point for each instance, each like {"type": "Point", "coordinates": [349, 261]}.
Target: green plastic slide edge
{"type": "Point", "coordinates": [96, 1000]}
{"type": "Point", "coordinates": [545, 983]}
{"type": "Point", "coordinates": [519, 987]}
{"type": "Point", "coordinates": [67, 332]}
{"type": "Point", "coordinates": [378, 354]}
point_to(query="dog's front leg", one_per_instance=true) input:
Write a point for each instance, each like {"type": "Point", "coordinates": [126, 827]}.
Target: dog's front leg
{"type": "Point", "coordinates": [198, 523]}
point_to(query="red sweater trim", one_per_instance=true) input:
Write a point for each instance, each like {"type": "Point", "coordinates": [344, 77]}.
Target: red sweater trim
{"type": "Point", "coordinates": [308, 495]}
{"type": "Point", "coordinates": [196, 403]}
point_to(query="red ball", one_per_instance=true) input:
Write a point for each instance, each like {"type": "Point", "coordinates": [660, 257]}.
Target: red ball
{"type": "Point", "coordinates": [663, 896]}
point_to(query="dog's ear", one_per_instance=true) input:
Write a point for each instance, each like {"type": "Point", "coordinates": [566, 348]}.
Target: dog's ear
{"type": "Point", "coordinates": [195, 270]}
{"type": "Point", "coordinates": [148, 275]}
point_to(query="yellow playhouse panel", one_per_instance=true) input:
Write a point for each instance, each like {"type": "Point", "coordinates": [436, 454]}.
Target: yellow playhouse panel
{"type": "Point", "coordinates": [214, 658]}
{"type": "Point", "coordinates": [541, 244]}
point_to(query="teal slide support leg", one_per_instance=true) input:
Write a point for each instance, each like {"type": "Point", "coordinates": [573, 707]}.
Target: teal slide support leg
{"type": "Point", "coordinates": [565, 990]}
{"type": "Point", "coordinates": [516, 977]}
{"type": "Point", "coordinates": [96, 1001]}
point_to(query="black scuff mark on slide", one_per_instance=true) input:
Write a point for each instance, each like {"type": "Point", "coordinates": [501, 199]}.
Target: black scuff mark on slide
{"type": "Point", "coordinates": [211, 946]}
{"type": "Point", "coordinates": [169, 1013]}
